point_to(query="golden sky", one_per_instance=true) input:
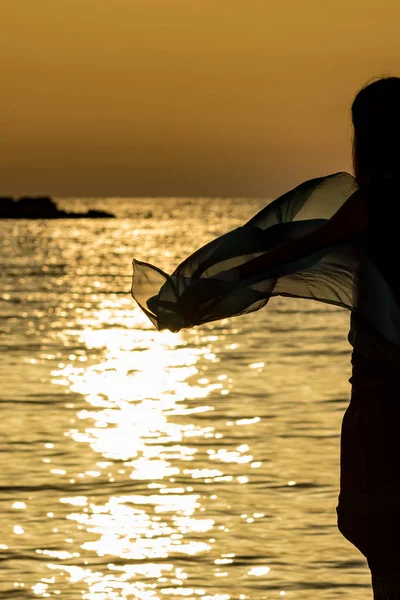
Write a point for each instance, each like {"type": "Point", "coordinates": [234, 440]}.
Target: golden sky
{"type": "Point", "coordinates": [184, 97]}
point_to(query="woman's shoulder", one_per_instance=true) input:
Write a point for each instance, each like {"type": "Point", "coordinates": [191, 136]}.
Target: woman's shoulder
{"type": "Point", "coordinates": [380, 197]}
{"type": "Point", "coordinates": [387, 184]}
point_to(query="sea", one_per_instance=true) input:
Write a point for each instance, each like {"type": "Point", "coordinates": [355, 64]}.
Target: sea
{"type": "Point", "coordinates": [152, 465]}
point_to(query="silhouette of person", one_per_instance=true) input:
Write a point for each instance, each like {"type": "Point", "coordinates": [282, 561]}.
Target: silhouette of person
{"type": "Point", "coordinates": [369, 500]}
{"type": "Point", "coordinates": [332, 239]}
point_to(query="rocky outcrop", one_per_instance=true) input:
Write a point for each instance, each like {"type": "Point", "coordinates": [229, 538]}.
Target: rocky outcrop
{"type": "Point", "coordinates": [42, 207]}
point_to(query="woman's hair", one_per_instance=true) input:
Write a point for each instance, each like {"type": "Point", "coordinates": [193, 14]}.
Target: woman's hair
{"type": "Point", "coordinates": [376, 139]}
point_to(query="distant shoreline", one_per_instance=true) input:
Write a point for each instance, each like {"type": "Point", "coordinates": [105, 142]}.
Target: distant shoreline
{"type": "Point", "coordinates": [42, 207]}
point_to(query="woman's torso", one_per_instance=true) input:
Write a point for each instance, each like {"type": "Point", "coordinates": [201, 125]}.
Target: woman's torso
{"type": "Point", "coordinates": [383, 235]}
{"type": "Point", "coordinates": [369, 359]}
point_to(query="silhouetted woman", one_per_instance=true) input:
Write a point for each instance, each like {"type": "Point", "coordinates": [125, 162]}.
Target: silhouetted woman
{"type": "Point", "coordinates": [333, 239]}
{"type": "Point", "coordinates": [369, 500]}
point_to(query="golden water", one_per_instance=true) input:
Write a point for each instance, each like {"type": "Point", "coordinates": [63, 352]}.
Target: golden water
{"type": "Point", "coordinates": [151, 465]}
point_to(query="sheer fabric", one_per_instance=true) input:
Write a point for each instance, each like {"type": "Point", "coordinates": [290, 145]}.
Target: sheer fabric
{"type": "Point", "coordinates": [206, 286]}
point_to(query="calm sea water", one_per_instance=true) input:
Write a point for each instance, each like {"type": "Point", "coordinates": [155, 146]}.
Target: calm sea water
{"type": "Point", "coordinates": [146, 465]}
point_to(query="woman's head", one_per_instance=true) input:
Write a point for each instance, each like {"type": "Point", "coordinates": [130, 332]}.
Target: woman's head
{"type": "Point", "coordinates": [376, 140]}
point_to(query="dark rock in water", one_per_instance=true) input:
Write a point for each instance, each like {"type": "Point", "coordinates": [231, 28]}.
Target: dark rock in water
{"type": "Point", "coordinates": [39, 207]}
{"type": "Point", "coordinates": [7, 206]}
{"type": "Point", "coordinates": [42, 207]}
{"type": "Point", "coordinates": [98, 214]}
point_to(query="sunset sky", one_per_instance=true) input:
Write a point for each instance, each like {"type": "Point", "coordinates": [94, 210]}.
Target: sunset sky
{"type": "Point", "coordinates": [184, 97]}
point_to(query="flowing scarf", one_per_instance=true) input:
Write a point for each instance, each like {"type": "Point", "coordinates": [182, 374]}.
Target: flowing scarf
{"type": "Point", "coordinates": [206, 287]}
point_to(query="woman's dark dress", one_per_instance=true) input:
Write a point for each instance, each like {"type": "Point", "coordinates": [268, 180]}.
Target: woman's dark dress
{"type": "Point", "coordinates": [369, 501]}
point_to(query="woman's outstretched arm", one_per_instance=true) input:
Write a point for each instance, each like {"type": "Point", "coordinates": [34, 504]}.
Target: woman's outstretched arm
{"type": "Point", "coordinates": [348, 222]}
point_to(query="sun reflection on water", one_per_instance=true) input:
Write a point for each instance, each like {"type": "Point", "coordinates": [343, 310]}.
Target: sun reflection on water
{"type": "Point", "coordinates": [135, 419]}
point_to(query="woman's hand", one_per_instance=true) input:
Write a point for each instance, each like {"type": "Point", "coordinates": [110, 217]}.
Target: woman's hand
{"type": "Point", "coordinates": [198, 296]}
